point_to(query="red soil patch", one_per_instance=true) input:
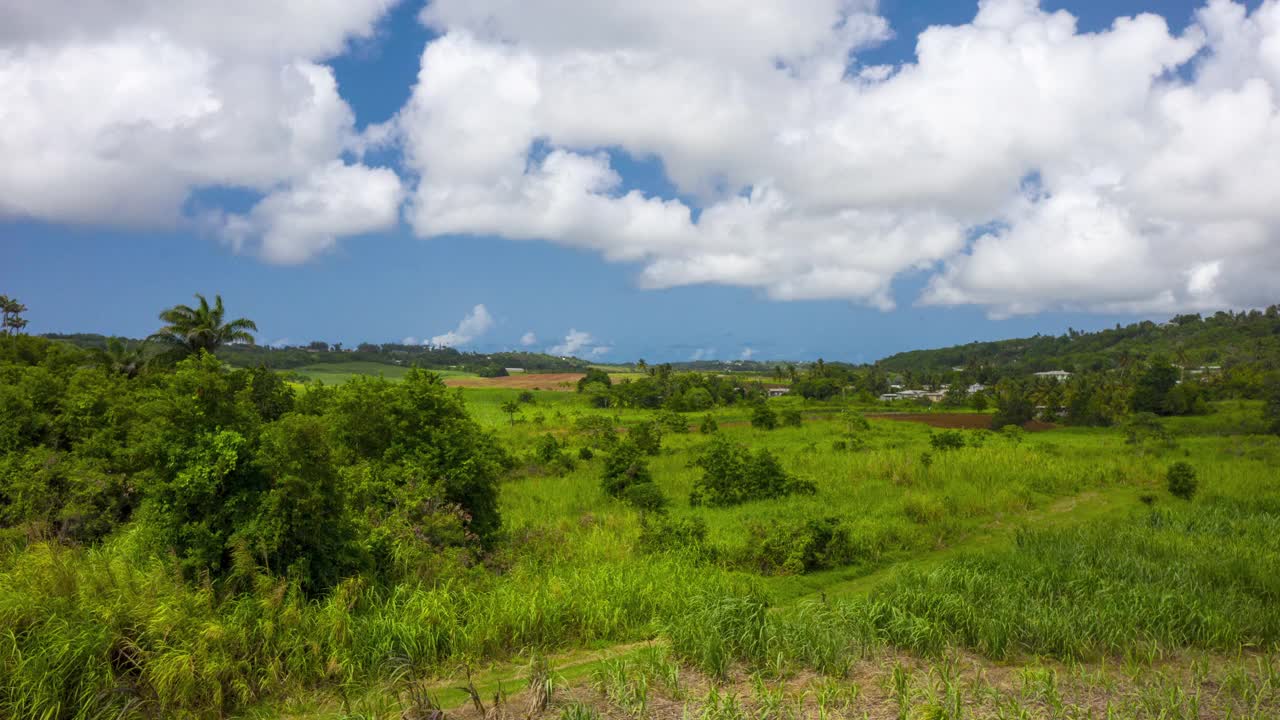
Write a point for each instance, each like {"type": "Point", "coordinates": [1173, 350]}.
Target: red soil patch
{"type": "Point", "coordinates": [524, 381]}
{"type": "Point", "coordinates": [962, 421]}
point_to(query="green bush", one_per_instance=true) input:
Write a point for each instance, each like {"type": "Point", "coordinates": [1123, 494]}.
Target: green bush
{"type": "Point", "coordinates": [763, 417]}
{"type": "Point", "coordinates": [791, 418]}
{"type": "Point", "coordinates": [626, 477]}
{"type": "Point", "coordinates": [795, 548]}
{"type": "Point", "coordinates": [647, 436]}
{"type": "Point", "coordinates": [708, 425]}
{"type": "Point", "coordinates": [1181, 479]}
{"type": "Point", "coordinates": [673, 422]}
{"type": "Point", "coordinates": [732, 475]}
{"type": "Point", "coordinates": [666, 534]}
{"type": "Point", "coordinates": [947, 440]}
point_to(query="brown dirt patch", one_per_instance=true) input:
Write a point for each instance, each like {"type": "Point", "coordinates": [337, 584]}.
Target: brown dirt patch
{"type": "Point", "coordinates": [959, 421]}
{"type": "Point", "coordinates": [562, 382]}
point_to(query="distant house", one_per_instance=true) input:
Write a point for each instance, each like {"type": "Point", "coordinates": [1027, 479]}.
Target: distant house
{"type": "Point", "coordinates": [1058, 375]}
{"type": "Point", "coordinates": [912, 395]}
{"type": "Point", "coordinates": [778, 391]}
{"type": "Point", "coordinates": [975, 388]}
{"type": "Point", "coordinates": [514, 371]}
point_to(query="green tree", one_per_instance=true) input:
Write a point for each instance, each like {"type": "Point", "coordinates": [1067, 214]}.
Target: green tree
{"type": "Point", "coordinates": [11, 321]}
{"type": "Point", "coordinates": [1151, 392]}
{"type": "Point", "coordinates": [1271, 408]}
{"type": "Point", "coordinates": [1013, 406]}
{"type": "Point", "coordinates": [594, 375]}
{"type": "Point", "coordinates": [510, 407]}
{"type": "Point", "coordinates": [763, 417]}
{"type": "Point", "coordinates": [1181, 479]}
{"type": "Point", "coordinates": [189, 330]}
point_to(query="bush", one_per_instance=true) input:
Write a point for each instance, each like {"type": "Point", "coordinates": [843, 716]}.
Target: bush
{"type": "Point", "coordinates": [664, 534]}
{"type": "Point", "coordinates": [798, 547]}
{"type": "Point", "coordinates": [733, 475]}
{"type": "Point", "coordinates": [947, 440]}
{"type": "Point", "coordinates": [1181, 478]}
{"type": "Point", "coordinates": [548, 451]}
{"type": "Point", "coordinates": [673, 422]}
{"type": "Point", "coordinates": [626, 477]}
{"type": "Point", "coordinates": [648, 437]}
{"type": "Point", "coordinates": [708, 425]}
{"type": "Point", "coordinates": [600, 431]}
{"type": "Point", "coordinates": [645, 496]}
{"type": "Point", "coordinates": [527, 397]}
{"type": "Point", "coordinates": [1143, 427]}
{"type": "Point", "coordinates": [791, 418]}
{"type": "Point", "coordinates": [763, 417]}
{"type": "Point", "coordinates": [585, 453]}
{"type": "Point", "coordinates": [854, 421]}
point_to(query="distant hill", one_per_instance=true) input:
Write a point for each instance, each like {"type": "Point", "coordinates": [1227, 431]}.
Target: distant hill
{"type": "Point", "coordinates": [395, 355]}
{"type": "Point", "coordinates": [1226, 339]}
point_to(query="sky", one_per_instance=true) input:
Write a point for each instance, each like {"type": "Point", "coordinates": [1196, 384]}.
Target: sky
{"type": "Point", "coordinates": [669, 180]}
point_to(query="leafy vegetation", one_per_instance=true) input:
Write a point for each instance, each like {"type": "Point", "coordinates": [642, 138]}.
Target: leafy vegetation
{"type": "Point", "coordinates": [197, 540]}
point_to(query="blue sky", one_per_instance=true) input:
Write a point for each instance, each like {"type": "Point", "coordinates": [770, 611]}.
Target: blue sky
{"type": "Point", "coordinates": [86, 270]}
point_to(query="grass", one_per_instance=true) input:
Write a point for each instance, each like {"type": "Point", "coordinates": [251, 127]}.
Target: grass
{"type": "Point", "coordinates": [1038, 578]}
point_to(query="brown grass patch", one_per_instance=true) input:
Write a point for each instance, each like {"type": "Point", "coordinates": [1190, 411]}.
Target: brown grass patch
{"type": "Point", "coordinates": [563, 382]}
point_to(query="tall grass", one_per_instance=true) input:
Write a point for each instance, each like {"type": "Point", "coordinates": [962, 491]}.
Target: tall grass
{"type": "Point", "coordinates": [89, 630]}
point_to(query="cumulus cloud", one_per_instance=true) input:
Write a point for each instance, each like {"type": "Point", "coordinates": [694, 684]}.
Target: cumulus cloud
{"type": "Point", "coordinates": [528, 339]}
{"type": "Point", "coordinates": [748, 353]}
{"type": "Point", "coordinates": [1017, 162]}
{"type": "Point", "coordinates": [115, 113]}
{"type": "Point", "coordinates": [473, 325]}
{"type": "Point", "coordinates": [578, 343]}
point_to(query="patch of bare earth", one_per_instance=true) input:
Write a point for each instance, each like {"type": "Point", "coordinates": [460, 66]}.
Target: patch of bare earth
{"type": "Point", "coordinates": [563, 382]}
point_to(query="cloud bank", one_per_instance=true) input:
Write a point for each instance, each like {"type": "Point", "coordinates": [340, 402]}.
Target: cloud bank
{"type": "Point", "coordinates": [1016, 163]}
{"type": "Point", "coordinates": [473, 325]}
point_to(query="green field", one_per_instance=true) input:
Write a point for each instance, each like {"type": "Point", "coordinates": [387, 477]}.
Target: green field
{"type": "Point", "coordinates": [928, 574]}
{"type": "Point", "coordinates": [333, 373]}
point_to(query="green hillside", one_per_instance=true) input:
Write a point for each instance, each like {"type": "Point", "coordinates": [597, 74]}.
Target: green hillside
{"type": "Point", "coordinates": [1245, 341]}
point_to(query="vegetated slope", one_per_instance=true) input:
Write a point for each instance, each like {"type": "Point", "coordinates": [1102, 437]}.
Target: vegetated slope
{"type": "Point", "coordinates": [1227, 339]}
{"type": "Point", "coordinates": [394, 354]}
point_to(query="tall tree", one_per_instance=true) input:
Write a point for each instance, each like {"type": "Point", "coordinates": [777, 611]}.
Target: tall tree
{"type": "Point", "coordinates": [191, 329]}
{"type": "Point", "coordinates": [11, 313]}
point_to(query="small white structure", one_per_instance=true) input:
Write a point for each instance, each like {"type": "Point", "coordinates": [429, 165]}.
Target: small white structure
{"type": "Point", "coordinates": [1059, 375]}
{"type": "Point", "coordinates": [778, 391]}
{"type": "Point", "coordinates": [514, 371]}
{"type": "Point", "coordinates": [975, 388]}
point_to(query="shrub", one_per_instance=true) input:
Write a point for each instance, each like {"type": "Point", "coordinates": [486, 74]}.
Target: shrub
{"type": "Point", "coordinates": [672, 421]}
{"type": "Point", "coordinates": [527, 397]}
{"type": "Point", "coordinates": [791, 418]}
{"type": "Point", "coordinates": [585, 453]}
{"type": "Point", "coordinates": [1143, 427]}
{"type": "Point", "coordinates": [599, 431]}
{"type": "Point", "coordinates": [708, 426]}
{"type": "Point", "coordinates": [626, 477]}
{"type": "Point", "coordinates": [550, 452]}
{"type": "Point", "coordinates": [645, 496]}
{"type": "Point", "coordinates": [648, 437]}
{"type": "Point", "coordinates": [854, 421]}
{"type": "Point", "coordinates": [1014, 433]}
{"type": "Point", "coordinates": [1181, 478]}
{"type": "Point", "coordinates": [798, 547]}
{"type": "Point", "coordinates": [763, 417]}
{"type": "Point", "coordinates": [665, 534]}
{"type": "Point", "coordinates": [733, 475]}
{"type": "Point", "coordinates": [947, 440]}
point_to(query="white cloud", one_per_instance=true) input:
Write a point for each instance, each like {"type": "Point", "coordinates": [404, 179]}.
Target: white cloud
{"type": "Point", "coordinates": [817, 180]}
{"type": "Point", "coordinates": [579, 342]}
{"type": "Point", "coordinates": [1016, 163]}
{"type": "Point", "coordinates": [528, 339]}
{"type": "Point", "coordinates": [411, 340]}
{"type": "Point", "coordinates": [703, 354]}
{"type": "Point", "coordinates": [473, 325]}
{"type": "Point", "coordinates": [748, 353]}
{"type": "Point", "coordinates": [300, 221]}
{"type": "Point", "coordinates": [115, 113]}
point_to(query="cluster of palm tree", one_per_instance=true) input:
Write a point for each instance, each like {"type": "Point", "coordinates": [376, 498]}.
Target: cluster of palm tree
{"type": "Point", "coordinates": [11, 321]}
{"type": "Point", "coordinates": [187, 331]}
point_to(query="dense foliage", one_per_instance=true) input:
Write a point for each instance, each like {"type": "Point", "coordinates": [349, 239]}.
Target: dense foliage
{"type": "Point", "coordinates": [732, 474]}
{"type": "Point", "coordinates": [221, 466]}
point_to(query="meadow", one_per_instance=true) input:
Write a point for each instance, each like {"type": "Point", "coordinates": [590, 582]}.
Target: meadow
{"type": "Point", "coordinates": [992, 574]}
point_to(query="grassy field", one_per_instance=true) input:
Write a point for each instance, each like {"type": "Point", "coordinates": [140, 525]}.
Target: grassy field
{"type": "Point", "coordinates": [1035, 575]}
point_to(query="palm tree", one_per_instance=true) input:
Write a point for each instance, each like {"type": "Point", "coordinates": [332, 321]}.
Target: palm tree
{"type": "Point", "coordinates": [122, 357]}
{"type": "Point", "coordinates": [190, 330]}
